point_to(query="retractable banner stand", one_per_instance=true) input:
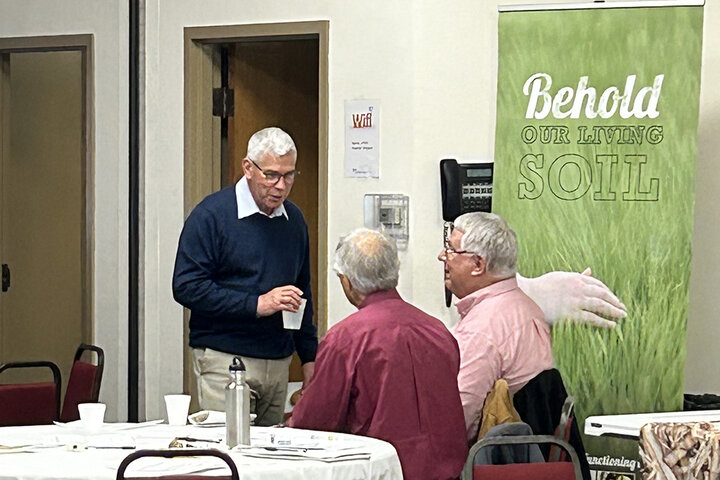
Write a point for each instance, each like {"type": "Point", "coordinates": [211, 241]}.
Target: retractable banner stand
{"type": "Point", "coordinates": [597, 113]}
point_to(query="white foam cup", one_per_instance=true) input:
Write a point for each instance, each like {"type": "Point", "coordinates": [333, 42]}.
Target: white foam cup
{"type": "Point", "coordinates": [177, 406]}
{"type": "Point", "coordinates": [292, 320]}
{"type": "Point", "coordinates": [92, 415]}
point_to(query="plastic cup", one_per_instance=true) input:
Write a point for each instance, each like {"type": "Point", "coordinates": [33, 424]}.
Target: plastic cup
{"type": "Point", "coordinates": [292, 320]}
{"type": "Point", "coordinates": [92, 415]}
{"type": "Point", "coordinates": [177, 406]}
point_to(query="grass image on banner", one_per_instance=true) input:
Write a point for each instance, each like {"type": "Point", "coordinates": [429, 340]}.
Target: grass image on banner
{"type": "Point", "coordinates": [614, 194]}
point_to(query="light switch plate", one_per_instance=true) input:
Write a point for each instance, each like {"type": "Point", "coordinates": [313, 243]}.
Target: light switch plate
{"type": "Point", "coordinates": [389, 214]}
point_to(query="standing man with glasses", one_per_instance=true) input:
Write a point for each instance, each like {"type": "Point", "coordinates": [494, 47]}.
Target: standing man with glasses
{"type": "Point", "coordinates": [502, 333]}
{"type": "Point", "coordinates": [243, 258]}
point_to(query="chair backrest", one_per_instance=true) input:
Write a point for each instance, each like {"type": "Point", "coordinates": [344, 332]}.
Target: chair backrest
{"type": "Point", "coordinates": [540, 404]}
{"type": "Point", "coordinates": [234, 475]}
{"type": "Point", "coordinates": [84, 382]}
{"type": "Point", "coordinates": [523, 471]}
{"type": "Point", "coordinates": [30, 403]}
{"type": "Point", "coordinates": [564, 429]}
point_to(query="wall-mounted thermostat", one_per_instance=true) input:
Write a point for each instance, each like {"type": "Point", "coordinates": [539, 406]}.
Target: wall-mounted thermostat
{"type": "Point", "coordinates": [389, 214]}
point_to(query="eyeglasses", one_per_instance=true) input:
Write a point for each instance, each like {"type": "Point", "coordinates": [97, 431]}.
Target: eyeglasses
{"type": "Point", "coordinates": [450, 251]}
{"type": "Point", "coordinates": [272, 178]}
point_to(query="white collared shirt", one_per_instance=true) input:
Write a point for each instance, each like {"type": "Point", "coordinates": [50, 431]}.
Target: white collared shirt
{"type": "Point", "coordinates": [246, 205]}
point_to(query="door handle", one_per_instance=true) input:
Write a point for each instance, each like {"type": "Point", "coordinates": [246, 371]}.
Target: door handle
{"type": "Point", "coordinates": [5, 277]}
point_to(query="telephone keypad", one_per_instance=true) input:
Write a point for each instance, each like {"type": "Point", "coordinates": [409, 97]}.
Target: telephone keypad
{"type": "Point", "coordinates": [477, 197]}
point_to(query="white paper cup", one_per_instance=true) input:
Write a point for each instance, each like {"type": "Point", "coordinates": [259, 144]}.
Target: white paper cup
{"type": "Point", "coordinates": [292, 320]}
{"type": "Point", "coordinates": [92, 415]}
{"type": "Point", "coordinates": [177, 406]}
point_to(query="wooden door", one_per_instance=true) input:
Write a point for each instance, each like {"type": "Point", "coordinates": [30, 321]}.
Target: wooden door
{"type": "Point", "coordinates": [42, 207]}
{"type": "Point", "coordinates": [275, 83]}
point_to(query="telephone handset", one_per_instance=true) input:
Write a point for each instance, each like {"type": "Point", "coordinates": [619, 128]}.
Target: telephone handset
{"type": "Point", "coordinates": [465, 187]}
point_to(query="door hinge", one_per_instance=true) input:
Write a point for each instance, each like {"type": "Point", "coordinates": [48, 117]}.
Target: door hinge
{"type": "Point", "coordinates": [5, 277]}
{"type": "Point", "coordinates": [223, 102]}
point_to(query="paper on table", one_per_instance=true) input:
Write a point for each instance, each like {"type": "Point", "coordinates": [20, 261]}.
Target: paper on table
{"type": "Point", "coordinates": [109, 427]}
{"type": "Point", "coordinates": [290, 444]}
{"type": "Point", "coordinates": [72, 442]}
{"type": "Point", "coordinates": [302, 439]}
{"type": "Point", "coordinates": [111, 440]}
{"type": "Point", "coordinates": [132, 426]}
{"type": "Point", "coordinates": [23, 441]}
{"type": "Point", "coordinates": [293, 453]}
{"type": "Point", "coordinates": [16, 449]}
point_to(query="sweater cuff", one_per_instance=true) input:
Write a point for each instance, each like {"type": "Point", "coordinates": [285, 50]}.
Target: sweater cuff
{"type": "Point", "coordinates": [307, 354]}
{"type": "Point", "coordinates": [251, 303]}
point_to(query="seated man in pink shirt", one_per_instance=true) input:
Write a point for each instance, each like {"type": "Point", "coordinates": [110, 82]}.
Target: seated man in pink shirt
{"type": "Point", "coordinates": [502, 333]}
{"type": "Point", "coordinates": [387, 371]}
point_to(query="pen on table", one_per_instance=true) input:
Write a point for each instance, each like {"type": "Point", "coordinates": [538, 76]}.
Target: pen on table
{"type": "Point", "coordinates": [123, 447]}
{"type": "Point", "coordinates": [287, 449]}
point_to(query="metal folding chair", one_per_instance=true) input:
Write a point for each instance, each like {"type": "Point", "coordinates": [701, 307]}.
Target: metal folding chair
{"type": "Point", "coordinates": [39, 403]}
{"type": "Point", "coordinates": [234, 475]}
{"type": "Point", "coordinates": [522, 471]}
{"type": "Point", "coordinates": [84, 382]}
{"type": "Point", "coordinates": [563, 430]}
{"type": "Point", "coordinates": [30, 403]}
{"type": "Point", "coordinates": [541, 404]}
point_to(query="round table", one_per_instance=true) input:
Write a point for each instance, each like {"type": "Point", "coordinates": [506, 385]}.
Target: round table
{"type": "Point", "coordinates": [67, 452]}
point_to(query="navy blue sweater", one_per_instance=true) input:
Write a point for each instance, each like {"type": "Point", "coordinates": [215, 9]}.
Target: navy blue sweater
{"type": "Point", "coordinates": [224, 264]}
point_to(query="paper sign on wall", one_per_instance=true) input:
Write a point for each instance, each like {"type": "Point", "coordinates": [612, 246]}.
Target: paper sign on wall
{"type": "Point", "coordinates": [362, 140]}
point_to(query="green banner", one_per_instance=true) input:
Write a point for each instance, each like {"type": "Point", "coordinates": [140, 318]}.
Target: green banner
{"type": "Point", "coordinates": [595, 150]}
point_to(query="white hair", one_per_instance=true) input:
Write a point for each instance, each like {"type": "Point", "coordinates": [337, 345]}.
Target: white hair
{"type": "Point", "coordinates": [490, 236]}
{"type": "Point", "coordinates": [272, 140]}
{"type": "Point", "coordinates": [368, 259]}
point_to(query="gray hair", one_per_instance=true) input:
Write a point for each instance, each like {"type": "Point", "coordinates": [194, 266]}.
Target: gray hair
{"type": "Point", "coordinates": [269, 140]}
{"type": "Point", "coordinates": [490, 236]}
{"type": "Point", "coordinates": [368, 259]}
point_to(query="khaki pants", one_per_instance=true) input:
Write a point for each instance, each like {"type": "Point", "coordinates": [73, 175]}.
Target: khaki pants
{"type": "Point", "coordinates": [267, 377]}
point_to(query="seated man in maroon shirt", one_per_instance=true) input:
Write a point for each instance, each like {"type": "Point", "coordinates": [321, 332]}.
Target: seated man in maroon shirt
{"type": "Point", "coordinates": [388, 371]}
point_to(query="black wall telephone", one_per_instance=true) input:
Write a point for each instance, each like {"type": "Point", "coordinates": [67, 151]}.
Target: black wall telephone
{"type": "Point", "coordinates": [465, 187]}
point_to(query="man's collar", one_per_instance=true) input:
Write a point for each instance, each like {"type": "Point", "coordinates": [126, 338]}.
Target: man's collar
{"type": "Point", "coordinates": [379, 296]}
{"type": "Point", "coordinates": [465, 304]}
{"type": "Point", "coordinates": [246, 205]}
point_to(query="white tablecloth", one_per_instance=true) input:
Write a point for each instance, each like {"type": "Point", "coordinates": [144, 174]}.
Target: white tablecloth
{"type": "Point", "coordinates": [58, 461]}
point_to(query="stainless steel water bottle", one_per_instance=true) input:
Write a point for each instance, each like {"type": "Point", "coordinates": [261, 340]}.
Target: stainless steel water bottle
{"type": "Point", "coordinates": [237, 406]}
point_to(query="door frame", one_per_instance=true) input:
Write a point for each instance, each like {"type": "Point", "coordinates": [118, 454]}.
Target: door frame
{"type": "Point", "coordinates": [202, 136]}
{"type": "Point", "coordinates": [83, 43]}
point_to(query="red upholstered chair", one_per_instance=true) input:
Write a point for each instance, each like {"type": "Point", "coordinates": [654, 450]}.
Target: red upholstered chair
{"type": "Point", "coordinates": [30, 403]}
{"type": "Point", "coordinates": [178, 453]}
{"type": "Point", "coordinates": [522, 471]}
{"type": "Point", "coordinates": [84, 382]}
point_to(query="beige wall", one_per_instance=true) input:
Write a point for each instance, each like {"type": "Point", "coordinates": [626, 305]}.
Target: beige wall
{"type": "Point", "coordinates": [703, 336]}
{"type": "Point", "coordinates": [432, 65]}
